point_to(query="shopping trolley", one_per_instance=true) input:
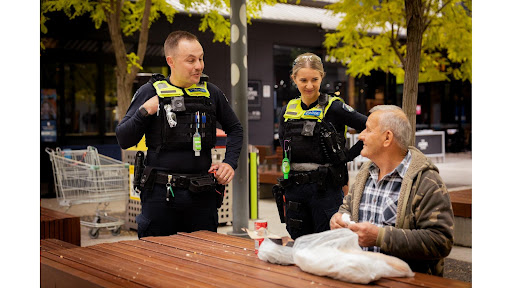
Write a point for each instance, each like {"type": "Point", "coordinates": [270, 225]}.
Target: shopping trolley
{"type": "Point", "coordinates": [85, 176]}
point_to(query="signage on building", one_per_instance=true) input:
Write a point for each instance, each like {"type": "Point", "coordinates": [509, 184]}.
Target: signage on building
{"type": "Point", "coordinates": [431, 143]}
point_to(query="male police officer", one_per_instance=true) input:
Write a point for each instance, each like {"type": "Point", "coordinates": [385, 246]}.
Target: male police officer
{"type": "Point", "coordinates": [178, 116]}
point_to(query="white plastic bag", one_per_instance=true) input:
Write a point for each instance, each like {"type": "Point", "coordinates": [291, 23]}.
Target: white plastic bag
{"type": "Point", "coordinates": [336, 253]}
{"type": "Point", "coordinates": [275, 253]}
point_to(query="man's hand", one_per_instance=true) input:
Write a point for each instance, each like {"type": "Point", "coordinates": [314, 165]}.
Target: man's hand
{"type": "Point", "coordinates": [336, 221]}
{"type": "Point", "coordinates": [366, 231]}
{"type": "Point", "coordinates": [151, 105]}
{"type": "Point", "coordinates": [224, 173]}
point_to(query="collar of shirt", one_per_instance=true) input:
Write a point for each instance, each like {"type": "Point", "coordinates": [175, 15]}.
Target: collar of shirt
{"type": "Point", "coordinates": [400, 169]}
{"type": "Point", "coordinates": [306, 107]}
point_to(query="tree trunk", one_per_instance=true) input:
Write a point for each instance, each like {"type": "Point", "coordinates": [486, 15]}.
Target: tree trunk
{"type": "Point", "coordinates": [413, 10]}
{"type": "Point", "coordinates": [124, 77]}
{"type": "Point", "coordinates": [124, 96]}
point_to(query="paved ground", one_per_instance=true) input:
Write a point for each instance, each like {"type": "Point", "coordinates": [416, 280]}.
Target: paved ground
{"type": "Point", "coordinates": [456, 172]}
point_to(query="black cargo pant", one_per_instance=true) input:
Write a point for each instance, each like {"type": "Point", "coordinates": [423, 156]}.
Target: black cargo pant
{"type": "Point", "coordinates": [185, 212]}
{"type": "Point", "coordinates": [309, 210]}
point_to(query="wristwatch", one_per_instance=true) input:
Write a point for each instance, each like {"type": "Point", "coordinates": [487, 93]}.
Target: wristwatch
{"type": "Point", "coordinates": [143, 111]}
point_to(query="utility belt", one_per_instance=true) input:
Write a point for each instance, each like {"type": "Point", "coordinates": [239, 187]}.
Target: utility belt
{"type": "Point", "coordinates": [298, 178]}
{"type": "Point", "coordinates": [318, 176]}
{"type": "Point", "coordinates": [196, 183]}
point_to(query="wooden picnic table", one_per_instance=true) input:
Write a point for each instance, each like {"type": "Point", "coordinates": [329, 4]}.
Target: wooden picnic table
{"type": "Point", "coordinates": [198, 259]}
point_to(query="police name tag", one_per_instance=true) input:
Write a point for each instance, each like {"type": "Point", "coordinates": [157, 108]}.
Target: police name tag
{"type": "Point", "coordinates": [196, 90]}
{"type": "Point", "coordinates": [313, 113]}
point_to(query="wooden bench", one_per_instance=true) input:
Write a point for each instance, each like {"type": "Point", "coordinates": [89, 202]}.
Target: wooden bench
{"type": "Point", "coordinates": [275, 159]}
{"type": "Point", "coordinates": [461, 204]}
{"type": "Point", "coordinates": [198, 259]}
{"type": "Point", "coordinates": [61, 226]}
{"type": "Point", "coordinates": [270, 169]}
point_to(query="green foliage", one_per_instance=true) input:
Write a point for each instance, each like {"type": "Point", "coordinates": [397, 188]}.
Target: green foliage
{"type": "Point", "coordinates": [217, 23]}
{"type": "Point", "coordinates": [254, 7]}
{"type": "Point", "coordinates": [132, 59]}
{"type": "Point", "coordinates": [371, 36]}
{"type": "Point", "coordinates": [132, 11]}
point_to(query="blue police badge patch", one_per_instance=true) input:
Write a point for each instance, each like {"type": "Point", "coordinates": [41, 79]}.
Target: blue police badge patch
{"type": "Point", "coordinates": [348, 108]}
{"type": "Point", "coordinates": [313, 113]}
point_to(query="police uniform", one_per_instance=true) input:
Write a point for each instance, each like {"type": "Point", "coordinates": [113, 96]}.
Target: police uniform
{"type": "Point", "coordinates": [313, 138]}
{"type": "Point", "coordinates": [172, 196]}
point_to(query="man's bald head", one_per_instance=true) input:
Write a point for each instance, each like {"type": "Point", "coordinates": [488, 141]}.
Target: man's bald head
{"type": "Point", "coordinates": [393, 118]}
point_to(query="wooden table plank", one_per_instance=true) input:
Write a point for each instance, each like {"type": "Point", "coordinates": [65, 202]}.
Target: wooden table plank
{"type": "Point", "coordinates": [198, 259]}
{"type": "Point", "coordinates": [422, 280]}
{"type": "Point", "coordinates": [71, 274]}
{"type": "Point", "coordinates": [387, 282]}
{"type": "Point", "coordinates": [189, 266]}
{"type": "Point", "coordinates": [426, 280]}
{"type": "Point", "coordinates": [246, 258]}
{"type": "Point", "coordinates": [222, 239]}
{"type": "Point", "coordinates": [268, 274]}
{"type": "Point", "coordinates": [140, 273]}
{"type": "Point", "coordinates": [54, 244]}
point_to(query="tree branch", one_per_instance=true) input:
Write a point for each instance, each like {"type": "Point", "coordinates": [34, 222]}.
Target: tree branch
{"type": "Point", "coordinates": [114, 29]}
{"type": "Point", "coordinates": [143, 37]}
{"type": "Point", "coordinates": [444, 5]}
{"type": "Point", "coordinates": [394, 43]}
{"type": "Point", "coordinates": [429, 21]}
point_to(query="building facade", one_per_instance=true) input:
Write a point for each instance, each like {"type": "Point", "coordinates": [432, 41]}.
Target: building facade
{"type": "Point", "coordinates": [78, 85]}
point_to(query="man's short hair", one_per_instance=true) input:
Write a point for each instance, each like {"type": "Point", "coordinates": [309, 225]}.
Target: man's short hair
{"type": "Point", "coordinates": [394, 119]}
{"type": "Point", "coordinates": [171, 43]}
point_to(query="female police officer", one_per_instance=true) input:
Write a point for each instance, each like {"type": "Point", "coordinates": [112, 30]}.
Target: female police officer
{"type": "Point", "coordinates": [312, 133]}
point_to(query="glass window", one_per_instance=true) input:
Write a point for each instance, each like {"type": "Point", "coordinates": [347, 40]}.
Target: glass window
{"type": "Point", "coordinates": [81, 110]}
{"type": "Point", "coordinates": [111, 117]}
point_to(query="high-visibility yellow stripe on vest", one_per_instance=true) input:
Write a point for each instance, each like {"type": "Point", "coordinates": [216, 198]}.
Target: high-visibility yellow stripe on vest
{"type": "Point", "coordinates": [164, 89]}
{"type": "Point", "coordinates": [294, 111]}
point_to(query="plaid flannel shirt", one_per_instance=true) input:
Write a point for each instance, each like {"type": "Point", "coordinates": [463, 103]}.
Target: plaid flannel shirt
{"type": "Point", "coordinates": [380, 198]}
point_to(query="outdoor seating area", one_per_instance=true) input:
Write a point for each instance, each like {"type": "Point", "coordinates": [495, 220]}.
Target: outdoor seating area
{"type": "Point", "coordinates": [198, 259]}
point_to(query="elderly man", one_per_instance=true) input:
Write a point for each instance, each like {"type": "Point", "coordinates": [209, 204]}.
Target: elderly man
{"type": "Point", "coordinates": [398, 201]}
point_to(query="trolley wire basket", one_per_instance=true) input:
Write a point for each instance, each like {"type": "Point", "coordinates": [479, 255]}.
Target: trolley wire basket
{"type": "Point", "coordinates": [85, 176]}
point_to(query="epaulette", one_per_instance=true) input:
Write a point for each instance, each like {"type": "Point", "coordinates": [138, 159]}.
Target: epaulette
{"type": "Point", "coordinates": [323, 99]}
{"type": "Point", "coordinates": [204, 78]}
{"type": "Point", "coordinates": [156, 77]}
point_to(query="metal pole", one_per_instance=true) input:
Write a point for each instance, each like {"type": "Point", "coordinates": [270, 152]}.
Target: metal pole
{"type": "Point", "coordinates": [239, 96]}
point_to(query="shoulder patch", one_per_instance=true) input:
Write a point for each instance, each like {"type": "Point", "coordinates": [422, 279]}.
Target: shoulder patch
{"type": "Point", "coordinates": [348, 108]}
{"type": "Point", "coordinates": [135, 95]}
